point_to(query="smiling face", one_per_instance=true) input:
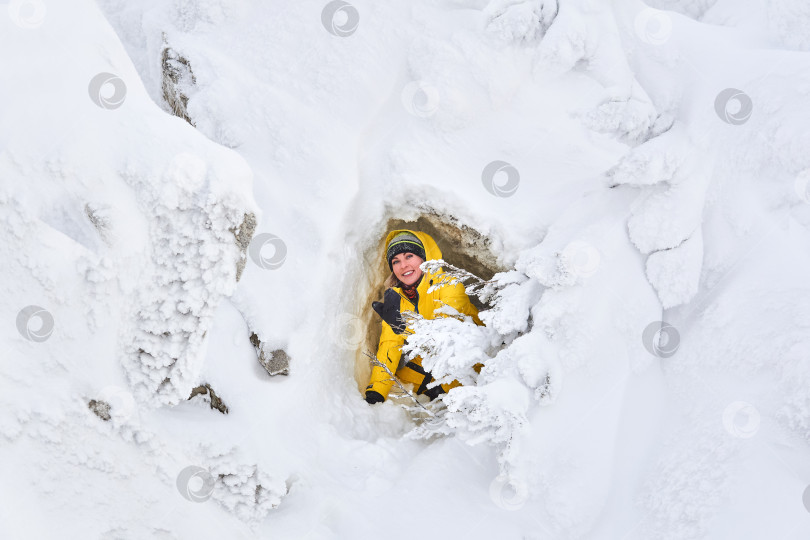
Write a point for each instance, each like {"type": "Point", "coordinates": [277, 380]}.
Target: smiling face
{"type": "Point", "coordinates": [406, 268]}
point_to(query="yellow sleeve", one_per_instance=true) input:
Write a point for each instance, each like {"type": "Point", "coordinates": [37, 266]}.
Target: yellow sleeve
{"type": "Point", "coordinates": [389, 353]}
{"type": "Point", "coordinates": [456, 297]}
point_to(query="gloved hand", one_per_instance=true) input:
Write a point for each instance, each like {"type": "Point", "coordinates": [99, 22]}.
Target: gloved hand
{"type": "Point", "coordinates": [373, 397]}
{"type": "Point", "coordinates": [388, 309]}
{"type": "Point", "coordinates": [434, 392]}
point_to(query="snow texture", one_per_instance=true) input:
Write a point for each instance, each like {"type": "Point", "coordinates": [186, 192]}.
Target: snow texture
{"type": "Point", "coordinates": [178, 176]}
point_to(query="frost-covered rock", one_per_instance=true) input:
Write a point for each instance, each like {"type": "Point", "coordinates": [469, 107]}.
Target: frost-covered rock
{"type": "Point", "coordinates": [245, 490]}
{"type": "Point", "coordinates": [148, 213]}
{"type": "Point", "coordinates": [668, 211]}
{"type": "Point", "coordinates": [633, 120]}
{"type": "Point", "coordinates": [675, 273]}
{"type": "Point", "coordinates": [660, 159]}
{"type": "Point", "coordinates": [599, 436]}
{"type": "Point", "coordinates": [178, 82]}
{"type": "Point", "coordinates": [520, 21]}
{"type": "Point", "coordinates": [194, 265]}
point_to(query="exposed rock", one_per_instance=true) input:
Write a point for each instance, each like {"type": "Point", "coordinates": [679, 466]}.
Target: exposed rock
{"type": "Point", "coordinates": [100, 409]}
{"type": "Point", "coordinates": [243, 236]}
{"type": "Point", "coordinates": [275, 362]}
{"type": "Point", "coordinates": [210, 397]}
{"type": "Point", "coordinates": [244, 489]}
{"type": "Point", "coordinates": [461, 245]}
{"type": "Point", "coordinates": [101, 219]}
{"type": "Point", "coordinates": [178, 81]}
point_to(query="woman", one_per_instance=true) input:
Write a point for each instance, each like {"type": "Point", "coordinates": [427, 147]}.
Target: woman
{"type": "Point", "coordinates": [407, 291]}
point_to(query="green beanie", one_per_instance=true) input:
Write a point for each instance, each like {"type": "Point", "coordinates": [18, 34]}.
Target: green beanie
{"type": "Point", "coordinates": [404, 242]}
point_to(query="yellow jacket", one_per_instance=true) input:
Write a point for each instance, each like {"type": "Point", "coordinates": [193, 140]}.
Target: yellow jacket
{"type": "Point", "coordinates": [390, 348]}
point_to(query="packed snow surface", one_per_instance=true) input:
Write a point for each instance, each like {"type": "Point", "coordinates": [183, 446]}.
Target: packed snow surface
{"type": "Point", "coordinates": [638, 173]}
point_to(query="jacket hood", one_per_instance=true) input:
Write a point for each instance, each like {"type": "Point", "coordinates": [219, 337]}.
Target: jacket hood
{"type": "Point", "coordinates": [432, 251]}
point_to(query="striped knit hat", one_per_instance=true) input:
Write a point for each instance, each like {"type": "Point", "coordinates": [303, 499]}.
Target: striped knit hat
{"type": "Point", "coordinates": [404, 242]}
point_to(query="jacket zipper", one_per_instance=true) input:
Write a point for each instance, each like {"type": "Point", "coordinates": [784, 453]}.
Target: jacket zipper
{"type": "Point", "coordinates": [416, 304]}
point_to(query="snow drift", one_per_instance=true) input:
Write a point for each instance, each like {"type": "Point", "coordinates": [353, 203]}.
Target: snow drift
{"type": "Point", "coordinates": [636, 174]}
